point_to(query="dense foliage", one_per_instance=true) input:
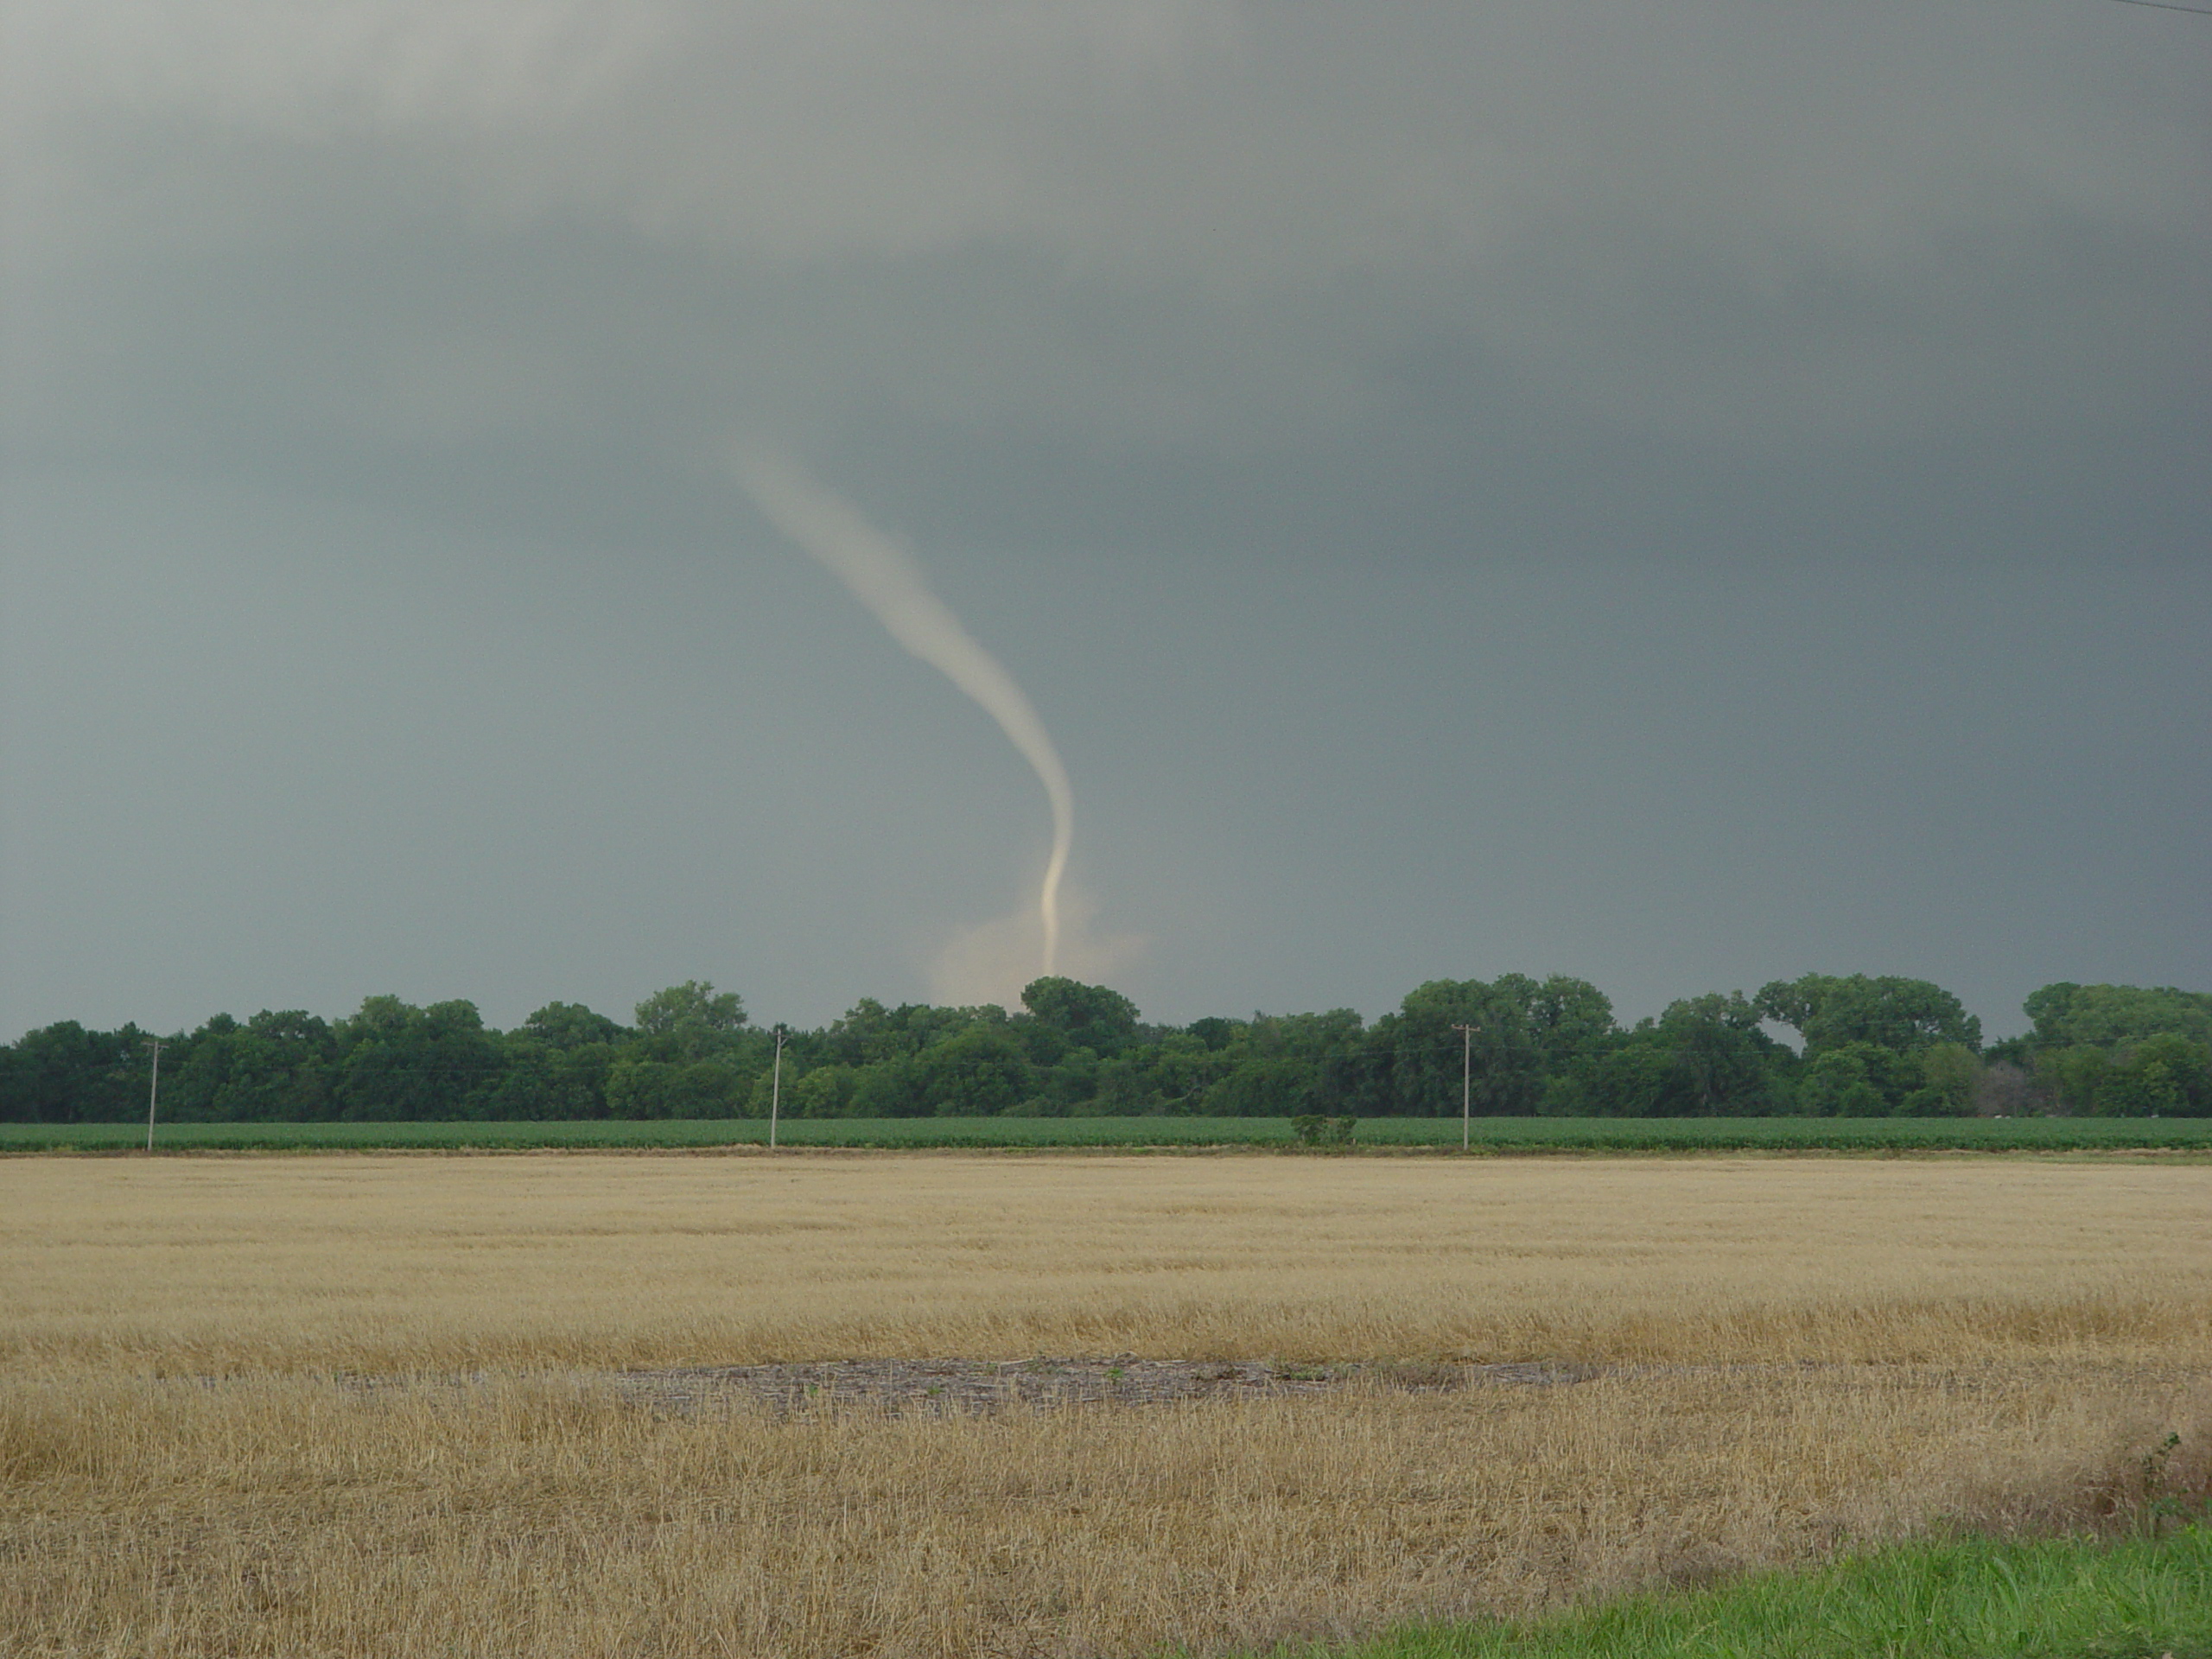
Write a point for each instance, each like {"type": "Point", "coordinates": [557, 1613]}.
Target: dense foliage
{"type": "Point", "coordinates": [1866, 1046]}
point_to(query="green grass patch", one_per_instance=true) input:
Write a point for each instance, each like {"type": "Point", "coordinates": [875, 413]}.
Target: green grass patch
{"type": "Point", "coordinates": [1977, 1599]}
{"type": "Point", "coordinates": [1491, 1135]}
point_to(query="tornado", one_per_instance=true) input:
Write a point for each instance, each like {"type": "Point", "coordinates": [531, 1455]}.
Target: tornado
{"type": "Point", "coordinates": [880, 571]}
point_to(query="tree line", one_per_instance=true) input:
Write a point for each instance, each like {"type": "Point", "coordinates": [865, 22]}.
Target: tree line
{"type": "Point", "coordinates": [1866, 1046]}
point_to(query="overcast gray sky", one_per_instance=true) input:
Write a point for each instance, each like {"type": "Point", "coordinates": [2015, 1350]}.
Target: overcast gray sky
{"type": "Point", "coordinates": [1677, 493]}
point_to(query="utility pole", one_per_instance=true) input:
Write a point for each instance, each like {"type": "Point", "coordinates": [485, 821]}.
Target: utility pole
{"type": "Point", "coordinates": [154, 1091]}
{"type": "Point", "coordinates": [776, 1089]}
{"type": "Point", "coordinates": [1466, 1083]}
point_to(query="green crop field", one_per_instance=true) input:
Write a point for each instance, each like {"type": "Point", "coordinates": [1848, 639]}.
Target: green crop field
{"type": "Point", "coordinates": [1489, 1136]}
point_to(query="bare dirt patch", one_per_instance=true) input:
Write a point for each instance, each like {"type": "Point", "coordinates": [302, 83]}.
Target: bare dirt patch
{"type": "Point", "coordinates": [966, 1387]}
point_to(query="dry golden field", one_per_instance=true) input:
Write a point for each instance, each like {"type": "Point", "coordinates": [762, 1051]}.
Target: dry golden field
{"type": "Point", "coordinates": [366, 1405]}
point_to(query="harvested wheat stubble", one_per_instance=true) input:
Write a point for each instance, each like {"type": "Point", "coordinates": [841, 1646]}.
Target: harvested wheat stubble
{"type": "Point", "coordinates": [1998, 1344]}
{"type": "Point", "coordinates": [285, 1515]}
{"type": "Point", "coordinates": [382, 1264]}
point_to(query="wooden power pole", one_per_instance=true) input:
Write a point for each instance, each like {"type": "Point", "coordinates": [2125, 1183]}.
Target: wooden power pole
{"type": "Point", "coordinates": [153, 1090]}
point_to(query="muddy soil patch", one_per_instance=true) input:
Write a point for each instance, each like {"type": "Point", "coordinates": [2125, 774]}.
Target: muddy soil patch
{"type": "Point", "coordinates": [967, 1387]}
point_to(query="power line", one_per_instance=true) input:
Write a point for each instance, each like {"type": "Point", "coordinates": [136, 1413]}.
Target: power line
{"type": "Point", "coordinates": [2168, 5]}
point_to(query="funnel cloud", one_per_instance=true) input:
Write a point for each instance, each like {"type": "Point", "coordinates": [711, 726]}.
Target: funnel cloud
{"type": "Point", "coordinates": [881, 573]}
{"type": "Point", "coordinates": [1680, 497]}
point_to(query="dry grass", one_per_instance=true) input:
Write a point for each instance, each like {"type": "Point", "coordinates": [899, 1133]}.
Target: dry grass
{"type": "Point", "coordinates": [290, 1517]}
{"type": "Point", "coordinates": [400, 1262]}
{"type": "Point", "coordinates": [176, 1478]}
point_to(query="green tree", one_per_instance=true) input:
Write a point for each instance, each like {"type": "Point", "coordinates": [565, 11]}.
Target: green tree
{"type": "Point", "coordinates": [867, 1033]}
{"type": "Point", "coordinates": [826, 1092]}
{"type": "Point", "coordinates": [1181, 1069]}
{"type": "Point", "coordinates": [889, 1087]}
{"type": "Point", "coordinates": [1948, 1075]}
{"type": "Point", "coordinates": [1899, 1014]}
{"type": "Point", "coordinates": [2163, 1076]}
{"type": "Point", "coordinates": [1526, 1032]}
{"type": "Point", "coordinates": [63, 1073]}
{"type": "Point", "coordinates": [279, 1067]}
{"type": "Point", "coordinates": [1087, 1016]}
{"type": "Point", "coordinates": [401, 1063]}
{"type": "Point", "coordinates": [1264, 1085]}
{"type": "Point", "coordinates": [976, 1073]}
{"type": "Point", "coordinates": [641, 1087]}
{"type": "Point", "coordinates": [691, 1022]}
{"type": "Point", "coordinates": [571, 1025]}
{"type": "Point", "coordinates": [1840, 1083]}
{"type": "Point", "coordinates": [2072, 1077]}
{"type": "Point", "coordinates": [1703, 1057]}
{"type": "Point", "coordinates": [1216, 1033]}
{"type": "Point", "coordinates": [540, 1082]}
{"type": "Point", "coordinates": [2104, 1016]}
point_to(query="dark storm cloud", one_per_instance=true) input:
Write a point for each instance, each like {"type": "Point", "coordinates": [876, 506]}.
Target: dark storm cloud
{"type": "Point", "coordinates": [1154, 229]}
{"type": "Point", "coordinates": [1587, 322]}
